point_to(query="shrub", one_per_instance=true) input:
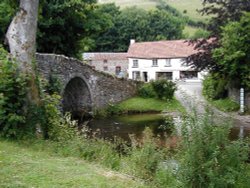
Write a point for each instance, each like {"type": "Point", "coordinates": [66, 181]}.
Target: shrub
{"type": "Point", "coordinates": [13, 107]}
{"type": "Point", "coordinates": [214, 87]}
{"type": "Point", "coordinates": [147, 91]}
{"type": "Point", "coordinates": [164, 89]}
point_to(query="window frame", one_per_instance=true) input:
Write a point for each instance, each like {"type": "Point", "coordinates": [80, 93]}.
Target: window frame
{"type": "Point", "coordinates": [135, 63]}
{"type": "Point", "coordinates": [154, 62]}
{"type": "Point", "coordinates": [168, 63]}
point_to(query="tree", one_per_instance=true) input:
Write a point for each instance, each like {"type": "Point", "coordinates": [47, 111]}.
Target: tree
{"type": "Point", "coordinates": [233, 54]}
{"type": "Point", "coordinates": [105, 40]}
{"type": "Point", "coordinates": [21, 34]}
{"type": "Point", "coordinates": [221, 12]}
{"type": "Point", "coordinates": [64, 26]}
{"type": "Point", "coordinates": [8, 9]}
{"type": "Point", "coordinates": [21, 38]}
{"type": "Point", "coordinates": [138, 24]}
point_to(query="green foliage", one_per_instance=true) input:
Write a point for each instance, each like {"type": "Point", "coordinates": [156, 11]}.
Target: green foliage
{"type": "Point", "coordinates": [200, 33]}
{"type": "Point", "coordinates": [138, 24]}
{"type": "Point", "coordinates": [233, 54]}
{"type": "Point", "coordinates": [164, 89]}
{"type": "Point", "coordinates": [147, 91]}
{"type": "Point", "coordinates": [66, 26]}
{"type": "Point", "coordinates": [53, 85]}
{"type": "Point", "coordinates": [208, 158]}
{"type": "Point", "coordinates": [226, 105]}
{"type": "Point", "coordinates": [13, 87]}
{"type": "Point", "coordinates": [147, 167]}
{"type": "Point", "coordinates": [214, 87]}
{"type": "Point", "coordinates": [56, 126]}
{"type": "Point", "coordinates": [7, 11]}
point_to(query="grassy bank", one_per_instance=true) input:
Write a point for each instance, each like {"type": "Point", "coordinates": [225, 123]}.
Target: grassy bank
{"type": "Point", "coordinates": [24, 166]}
{"type": "Point", "coordinates": [225, 105]}
{"type": "Point", "coordinates": [139, 104]}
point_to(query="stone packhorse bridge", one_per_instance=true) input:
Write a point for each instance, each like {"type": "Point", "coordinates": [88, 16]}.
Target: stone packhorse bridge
{"type": "Point", "coordinates": [83, 88]}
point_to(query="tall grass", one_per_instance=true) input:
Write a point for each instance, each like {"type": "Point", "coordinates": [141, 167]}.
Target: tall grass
{"type": "Point", "coordinates": [203, 157]}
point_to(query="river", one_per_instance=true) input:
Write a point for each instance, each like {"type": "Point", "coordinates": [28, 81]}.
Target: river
{"type": "Point", "coordinates": [126, 125]}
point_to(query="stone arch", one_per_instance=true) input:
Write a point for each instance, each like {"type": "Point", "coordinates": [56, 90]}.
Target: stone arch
{"type": "Point", "coordinates": [77, 98]}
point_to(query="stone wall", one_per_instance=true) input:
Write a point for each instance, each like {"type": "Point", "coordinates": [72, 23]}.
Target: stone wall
{"type": "Point", "coordinates": [101, 88]}
{"type": "Point", "coordinates": [111, 66]}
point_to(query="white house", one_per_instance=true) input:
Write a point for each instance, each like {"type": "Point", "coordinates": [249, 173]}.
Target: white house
{"type": "Point", "coordinates": [161, 60]}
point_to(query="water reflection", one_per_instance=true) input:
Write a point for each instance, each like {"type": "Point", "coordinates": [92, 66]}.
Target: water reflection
{"type": "Point", "coordinates": [160, 125]}
{"type": "Point", "coordinates": [123, 126]}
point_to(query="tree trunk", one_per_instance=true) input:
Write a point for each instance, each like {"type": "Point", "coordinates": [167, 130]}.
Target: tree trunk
{"type": "Point", "coordinates": [21, 34]}
{"type": "Point", "coordinates": [21, 38]}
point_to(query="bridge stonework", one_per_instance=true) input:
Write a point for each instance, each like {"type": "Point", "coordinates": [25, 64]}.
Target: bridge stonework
{"type": "Point", "coordinates": [83, 88]}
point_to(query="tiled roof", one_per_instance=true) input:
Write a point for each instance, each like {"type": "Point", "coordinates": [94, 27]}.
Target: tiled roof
{"type": "Point", "coordinates": [161, 49]}
{"type": "Point", "coordinates": [104, 56]}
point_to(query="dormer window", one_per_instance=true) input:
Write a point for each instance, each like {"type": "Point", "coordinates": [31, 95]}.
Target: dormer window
{"type": "Point", "coordinates": [154, 63]}
{"type": "Point", "coordinates": [135, 63]}
{"type": "Point", "coordinates": [168, 63]}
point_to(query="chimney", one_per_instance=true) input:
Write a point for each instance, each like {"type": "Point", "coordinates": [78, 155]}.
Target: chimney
{"type": "Point", "coordinates": [132, 41]}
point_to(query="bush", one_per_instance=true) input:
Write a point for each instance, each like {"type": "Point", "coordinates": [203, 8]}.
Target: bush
{"type": "Point", "coordinates": [164, 89]}
{"type": "Point", "coordinates": [208, 158]}
{"type": "Point", "coordinates": [147, 91]}
{"type": "Point", "coordinates": [214, 87]}
{"type": "Point", "coordinates": [13, 107]}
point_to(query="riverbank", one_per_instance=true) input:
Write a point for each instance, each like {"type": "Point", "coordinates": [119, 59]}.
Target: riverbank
{"type": "Point", "coordinates": [137, 105]}
{"type": "Point", "coordinates": [34, 166]}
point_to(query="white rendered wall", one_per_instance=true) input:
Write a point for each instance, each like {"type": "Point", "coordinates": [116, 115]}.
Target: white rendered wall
{"type": "Point", "coordinates": [145, 65]}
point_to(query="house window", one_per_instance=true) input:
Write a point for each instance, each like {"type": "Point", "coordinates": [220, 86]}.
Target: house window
{"type": "Point", "coordinates": [135, 63]}
{"type": "Point", "coordinates": [168, 63]}
{"type": "Point", "coordinates": [105, 61]}
{"type": "Point", "coordinates": [105, 68]}
{"type": "Point", "coordinates": [136, 75]}
{"type": "Point", "coordinates": [188, 75]}
{"type": "Point", "coordinates": [155, 63]}
{"type": "Point", "coordinates": [118, 69]}
{"type": "Point", "coordinates": [164, 75]}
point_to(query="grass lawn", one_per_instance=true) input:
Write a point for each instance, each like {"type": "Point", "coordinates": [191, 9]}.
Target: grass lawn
{"type": "Point", "coordinates": [22, 166]}
{"type": "Point", "coordinates": [145, 4]}
{"type": "Point", "coordinates": [190, 6]}
{"type": "Point", "coordinates": [139, 104]}
{"type": "Point", "coordinates": [226, 105]}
